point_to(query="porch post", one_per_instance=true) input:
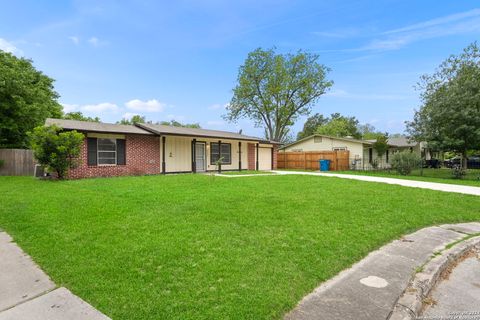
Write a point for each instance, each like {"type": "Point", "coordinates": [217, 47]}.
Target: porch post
{"type": "Point", "coordinates": [257, 158]}
{"type": "Point", "coordinates": [219, 156]}
{"type": "Point", "coordinates": [239, 156]}
{"type": "Point", "coordinates": [194, 156]}
{"type": "Point", "coordinates": [163, 155]}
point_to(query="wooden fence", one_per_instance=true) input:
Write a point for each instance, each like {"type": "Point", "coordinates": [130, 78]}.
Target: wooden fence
{"type": "Point", "coordinates": [17, 162]}
{"type": "Point", "coordinates": [339, 160]}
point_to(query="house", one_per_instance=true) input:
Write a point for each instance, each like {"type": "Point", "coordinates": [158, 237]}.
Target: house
{"type": "Point", "coordinates": [361, 152]}
{"type": "Point", "coordinates": [358, 149]}
{"type": "Point", "coordinates": [115, 150]}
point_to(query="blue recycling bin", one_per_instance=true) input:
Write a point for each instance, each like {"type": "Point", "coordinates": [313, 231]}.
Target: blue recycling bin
{"type": "Point", "coordinates": [324, 165]}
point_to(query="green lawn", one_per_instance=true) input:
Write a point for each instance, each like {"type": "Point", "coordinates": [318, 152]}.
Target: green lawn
{"type": "Point", "coordinates": [206, 247]}
{"type": "Point", "coordinates": [234, 173]}
{"type": "Point", "coordinates": [443, 175]}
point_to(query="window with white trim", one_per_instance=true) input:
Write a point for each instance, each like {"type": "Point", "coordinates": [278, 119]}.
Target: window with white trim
{"type": "Point", "coordinates": [107, 151]}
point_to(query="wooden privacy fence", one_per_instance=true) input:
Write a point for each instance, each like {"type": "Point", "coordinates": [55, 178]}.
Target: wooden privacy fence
{"type": "Point", "coordinates": [339, 160]}
{"type": "Point", "coordinates": [17, 162]}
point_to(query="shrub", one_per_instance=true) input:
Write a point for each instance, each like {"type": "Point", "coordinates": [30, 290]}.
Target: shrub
{"type": "Point", "coordinates": [2, 162]}
{"type": "Point", "coordinates": [458, 172]}
{"type": "Point", "coordinates": [404, 162]}
{"type": "Point", "coordinates": [56, 149]}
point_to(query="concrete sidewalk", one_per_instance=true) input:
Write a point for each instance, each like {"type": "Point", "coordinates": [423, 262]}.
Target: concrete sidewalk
{"type": "Point", "coordinates": [402, 182]}
{"type": "Point", "coordinates": [459, 293]}
{"type": "Point", "coordinates": [370, 289]}
{"type": "Point", "coordinates": [26, 292]}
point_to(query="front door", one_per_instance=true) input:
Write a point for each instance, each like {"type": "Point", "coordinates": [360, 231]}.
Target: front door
{"type": "Point", "coordinates": [200, 157]}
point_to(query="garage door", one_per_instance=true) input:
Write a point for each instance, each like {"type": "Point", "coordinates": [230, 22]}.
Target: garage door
{"type": "Point", "coordinates": [265, 158]}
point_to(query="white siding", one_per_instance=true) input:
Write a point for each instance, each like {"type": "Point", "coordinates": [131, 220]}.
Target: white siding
{"type": "Point", "coordinates": [328, 144]}
{"type": "Point", "coordinates": [178, 153]}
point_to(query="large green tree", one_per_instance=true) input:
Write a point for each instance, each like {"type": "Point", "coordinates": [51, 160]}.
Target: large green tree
{"type": "Point", "coordinates": [275, 89]}
{"type": "Point", "coordinates": [340, 126]}
{"type": "Point", "coordinates": [449, 118]}
{"type": "Point", "coordinates": [310, 126]}
{"type": "Point", "coordinates": [77, 115]}
{"type": "Point", "coordinates": [27, 98]}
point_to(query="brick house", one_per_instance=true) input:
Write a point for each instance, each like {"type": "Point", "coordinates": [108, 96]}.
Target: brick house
{"type": "Point", "coordinates": [117, 150]}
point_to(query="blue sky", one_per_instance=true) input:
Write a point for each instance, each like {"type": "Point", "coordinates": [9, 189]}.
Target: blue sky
{"type": "Point", "coordinates": [179, 59]}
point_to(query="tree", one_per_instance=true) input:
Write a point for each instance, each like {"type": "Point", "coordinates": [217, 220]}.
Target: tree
{"type": "Point", "coordinates": [27, 98]}
{"type": "Point", "coordinates": [311, 125]}
{"type": "Point", "coordinates": [381, 145]}
{"type": "Point", "coordinates": [56, 149]}
{"type": "Point", "coordinates": [79, 117]}
{"type": "Point", "coordinates": [449, 118]}
{"type": "Point", "coordinates": [179, 124]}
{"type": "Point", "coordinates": [134, 119]}
{"type": "Point", "coordinates": [340, 126]}
{"type": "Point", "coordinates": [368, 132]}
{"type": "Point", "coordinates": [274, 89]}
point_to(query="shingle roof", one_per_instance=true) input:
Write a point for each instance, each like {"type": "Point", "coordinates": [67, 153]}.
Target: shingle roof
{"type": "Point", "coordinates": [147, 128]}
{"type": "Point", "coordinates": [96, 126]}
{"type": "Point", "coordinates": [182, 131]}
{"type": "Point", "coordinates": [401, 142]}
{"type": "Point", "coordinates": [326, 136]}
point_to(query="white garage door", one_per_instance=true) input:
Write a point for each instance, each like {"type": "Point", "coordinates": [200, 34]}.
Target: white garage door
{"type": "Point", "coordinates": [265, 158]}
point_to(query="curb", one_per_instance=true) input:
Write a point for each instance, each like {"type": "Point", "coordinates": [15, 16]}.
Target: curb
{"type": "Point", "coordinates": [410, 303]}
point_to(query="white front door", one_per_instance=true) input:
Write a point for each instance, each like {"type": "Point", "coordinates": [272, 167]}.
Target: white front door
{"type": "Point", "coordinates": [200, 157]}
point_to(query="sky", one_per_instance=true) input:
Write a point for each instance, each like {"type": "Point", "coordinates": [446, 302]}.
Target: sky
{"type": "Point", "coordinates": [179, 59]}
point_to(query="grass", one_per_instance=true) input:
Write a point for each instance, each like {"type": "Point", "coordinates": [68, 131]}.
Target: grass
{"type": "Point", "coordinates": [443, 175]}
{"type": "Point", "coordinates": [234, 173]}
{"type": "Point", "coordinates": [204, 247]}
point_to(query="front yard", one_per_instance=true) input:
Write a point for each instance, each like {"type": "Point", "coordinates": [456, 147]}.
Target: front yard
{"type": "Point", "coordinates": [206, 247]}
{"type": "Point", "coordinates": [443, 175]}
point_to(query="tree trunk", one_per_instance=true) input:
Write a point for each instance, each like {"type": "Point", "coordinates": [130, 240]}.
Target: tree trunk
{"type": "Point", "coordinates": [464, 159]}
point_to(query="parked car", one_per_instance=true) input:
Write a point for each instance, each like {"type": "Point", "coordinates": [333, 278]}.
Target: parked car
{"type": "Point", "coordinates": [432, 163]}
{"type": "Point", "coordinates": [473, 162]}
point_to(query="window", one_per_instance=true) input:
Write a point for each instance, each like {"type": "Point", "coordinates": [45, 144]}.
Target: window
{"type": "Point", "coordinates": [103, 151]}
{"type": "Point", "coordinates": [317, 139]}
{"type": "Point", "coordinates": [225, 152]}
{"type": "Point", "coordinates": [339, 148]}
{"type": "Point", "coordinates": [107, 151]}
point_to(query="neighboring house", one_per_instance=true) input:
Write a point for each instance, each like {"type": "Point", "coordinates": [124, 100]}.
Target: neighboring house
{"type": "Point", "coordinates": [320, 142]}
{"type": "Point", "coordinates": [115, 150]}
{"type": "Point", "coordinates": [362, 154]}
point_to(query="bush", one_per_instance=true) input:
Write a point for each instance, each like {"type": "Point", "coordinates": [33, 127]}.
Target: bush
{"type": "Point", "coordinates": [2, 162]}
{"type": "Point", "coordinates": [56, 149]}
{"type": "Point", "coordinates": [458, 172]}
{"type": "Point", "coordinates": [404, 162]}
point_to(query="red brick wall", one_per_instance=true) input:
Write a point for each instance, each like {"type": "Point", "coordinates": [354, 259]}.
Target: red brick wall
{"type": "Point", "coordinates": [275, 155]}
{"type": "Point", "coordinates": [252, 159]}
{"type": "Point", "coordinates": [142, 157]}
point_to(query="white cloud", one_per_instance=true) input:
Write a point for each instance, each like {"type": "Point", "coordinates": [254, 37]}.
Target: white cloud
{"type": "Point", "coordinates": [9, 47]}
{"type": "Point", "coordinates": [455, 24]}
{"type": "Point", "coordinates": [437, 21]}
{"type": "Point", "coordinates": [75, 40]}
{"type": "Point", "coordinates": [96, 42]}
{"type": "Point", "coordinates": [152, 105]}
{"type": "Point", "coordinates": [100, 107]}
{"type": "Point", "coordinates": [69, 107]}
